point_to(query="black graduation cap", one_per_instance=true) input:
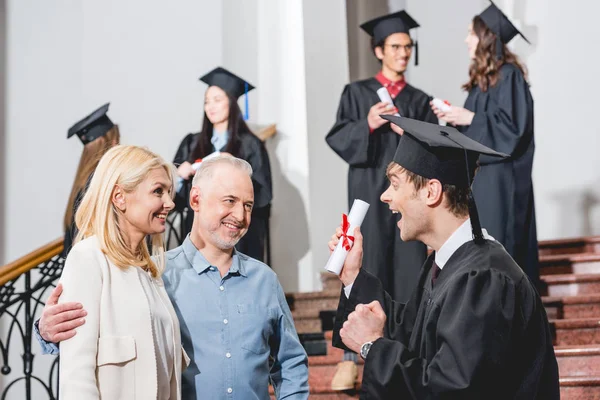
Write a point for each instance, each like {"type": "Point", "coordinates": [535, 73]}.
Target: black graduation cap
{"type": "Point", "coordinates": [93, 126]}
{"type": "Point", "coordinates": [443, 153]}
{"type": "Point", "coordinates": [228, 81]}
{"type": "Point", "coordinates": [499, 23]}
{"type": "Point", "coordinates": [399, 22]}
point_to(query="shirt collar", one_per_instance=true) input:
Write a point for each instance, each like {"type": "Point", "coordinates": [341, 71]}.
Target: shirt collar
{"type": "Point", "coordinates": [201, 264]}
{"type": "Point", "coordinates": [219, 139]}
{"type": "Point", "coordinates": [385, 81]}
{"type": "Point", "coordinates": [460, 236]}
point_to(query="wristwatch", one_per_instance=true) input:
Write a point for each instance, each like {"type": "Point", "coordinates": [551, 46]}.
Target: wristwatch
{"type": "Point", "coordinates": [364, 349]}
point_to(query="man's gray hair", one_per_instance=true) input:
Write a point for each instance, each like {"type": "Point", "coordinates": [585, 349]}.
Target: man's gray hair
{"type": "Point", "coordinates": [208, 167]}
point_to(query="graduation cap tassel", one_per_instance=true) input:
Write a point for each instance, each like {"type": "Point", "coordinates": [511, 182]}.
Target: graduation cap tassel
{"type": "Point", "coordinates": [416, 47]}
{"type": "Point", "coordinates": [498, 48]}
{"type": "Point", "coordinates": [416, 53]}
{"type": "Point", "coordinates": [246, 110]}
{"type": "Point", "coordinates": [475, 223]}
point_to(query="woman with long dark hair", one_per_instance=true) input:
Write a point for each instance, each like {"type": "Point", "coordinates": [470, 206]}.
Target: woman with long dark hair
{"type": "Point", "coordinates": [224, 130]}
{"type": "Point", "coordinates": [498, 113]}
{"type": "Point", "coordinates": [98, 135]}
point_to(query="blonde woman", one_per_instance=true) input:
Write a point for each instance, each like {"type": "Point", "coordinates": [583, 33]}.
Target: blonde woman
{"type": "Point", "coordinates": [130, 346]}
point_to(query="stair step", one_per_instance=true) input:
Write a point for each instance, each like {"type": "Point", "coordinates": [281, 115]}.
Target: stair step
{"type": "Point", "coordinates": [569, 284]}
{"type": "Point", "coordinates": [331, 282]}
{"type": "Point", "coordinates": [579, 387]}
{"type": "Point", "coordinates": [584, 263]}
{"type": "Point", "coordinates": [320, 377]}
{"type": "Point", "coordinates": [590, 244]}
{"type": "Point", "coordinates": [576, 332]}
{"type": "Point", "coordinates": [578, 360]}
{"type": "Point", "coordinates": [316, 301]}
{"type": "Point", "coordinates": [568, 307]}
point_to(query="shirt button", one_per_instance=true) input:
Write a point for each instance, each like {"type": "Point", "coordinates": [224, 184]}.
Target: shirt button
{"type": "Point", "coordinates": [221, 288]}
{"type": "Point", "coordinates": [225, 321]}
{"type": "Point", "coordinates": [229, 390]}
{"type": "Point", "coordinates": [228, 355]}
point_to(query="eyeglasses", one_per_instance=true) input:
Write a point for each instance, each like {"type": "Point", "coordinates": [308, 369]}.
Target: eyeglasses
{"type": "Point", "coordinates": [396, 47]}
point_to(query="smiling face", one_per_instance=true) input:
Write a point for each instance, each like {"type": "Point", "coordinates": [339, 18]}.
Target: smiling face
{"type": "Point", "coordinates": [223, 205]}
{"type": "Point", "coordinates": [402, 197]}
{"type": "Point", "coordinates": [145, 209]}
{"type": "Point", "coordinates": [216, 105]}
{"type": "Point", "coordinates": [395, 52]}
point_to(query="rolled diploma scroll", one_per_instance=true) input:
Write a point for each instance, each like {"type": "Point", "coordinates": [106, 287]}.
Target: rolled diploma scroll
{"type": "Point", "coordinates": [355, 218]}
{"type": "Point", "coordinates": [195, 166]}
{"type": "Point", "coordinates": [384, 96]}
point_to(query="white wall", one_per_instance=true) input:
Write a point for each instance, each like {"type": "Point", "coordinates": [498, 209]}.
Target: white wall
{"type": "Point", "coordinates": [65, 58]}
{"type": "Point", "coordinates": [295, 52]}
{"type": "Point", "coordinates": [443, 57]}
{"type": "Point", "coordinates": [326, 66]}
{"type": "Point", "coordinates": [563, 72]}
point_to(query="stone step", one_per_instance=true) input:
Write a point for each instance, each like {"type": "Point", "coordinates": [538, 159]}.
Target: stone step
{"type": "Point", "coordinates": [590, 244]}
{"type": "Point", "coordinates": [584, 263]}
{"type": "Point", "coordinates": [330, 282]}
{"type": "Point", "coordinates": [579, 387]}
{"type": "Point", "coordinates": [561, 285]}
{"type": "Point", "coordinates": [315, 301]}
{"type": "Point", "coordinates": [576, 332]}
{"type": "Point", "coordinates": [306, 321]}
{"type": "Point", "coordinates": [578, 360]}
{"type": "Point", "coordinates": [320, 376]}
{"type": "Point", "coordinates": [568, 307]}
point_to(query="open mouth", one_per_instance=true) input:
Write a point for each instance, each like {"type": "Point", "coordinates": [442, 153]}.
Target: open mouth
{"type": "Point", "coordinates": [161, 216]}
{"type": "Point", "coordinates": [232, 226]}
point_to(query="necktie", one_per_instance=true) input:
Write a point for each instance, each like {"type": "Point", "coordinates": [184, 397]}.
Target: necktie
{"type": "Point", "coordinates": [435, 271]}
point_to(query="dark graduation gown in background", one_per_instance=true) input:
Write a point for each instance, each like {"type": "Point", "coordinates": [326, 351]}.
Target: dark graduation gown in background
{"type": "Point", "coordinates": [71, 232]}
{"type": "Point", "coordinates": [480, 333]}
{"type": "Point", "coordinates": [503, 189]}
{"type": "Point", "coordinates": [252, 150]}
{"type": "Point", "coordinates": [386, 256]}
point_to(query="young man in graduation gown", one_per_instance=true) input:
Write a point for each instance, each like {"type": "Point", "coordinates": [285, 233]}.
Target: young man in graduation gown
{"type": "Point", "coordinates": [474, 328]}
{"type": "Point", "coordinates": [367, 143]}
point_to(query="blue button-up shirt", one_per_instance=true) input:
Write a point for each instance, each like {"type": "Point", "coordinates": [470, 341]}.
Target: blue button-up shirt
{"type": "Point", "coordinates": [231, 325]}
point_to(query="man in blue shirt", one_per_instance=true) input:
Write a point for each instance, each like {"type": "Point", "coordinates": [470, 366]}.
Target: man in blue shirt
{"type": "Point", "coordinates": [235, 322]}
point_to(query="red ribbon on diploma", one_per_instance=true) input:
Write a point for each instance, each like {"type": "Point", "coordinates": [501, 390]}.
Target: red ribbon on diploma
{"type": "Point", "coordinates": [346, 239]}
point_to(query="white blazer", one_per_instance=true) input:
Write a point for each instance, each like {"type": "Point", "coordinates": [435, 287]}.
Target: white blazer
{"type": "Point", "coordinates": [112, 356]}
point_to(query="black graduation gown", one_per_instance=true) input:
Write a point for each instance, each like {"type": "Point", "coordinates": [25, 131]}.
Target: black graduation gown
{"type": "Point", "coordinates": [252, 150]}
{"type": "Point", "coordinates": [480, 333]}
{"type": "Point", "coordinates": [503, 189]}
{"type": "Point", "coordinates": [386, 256]}
{"type": "Point", "coordinates": [71, 232]}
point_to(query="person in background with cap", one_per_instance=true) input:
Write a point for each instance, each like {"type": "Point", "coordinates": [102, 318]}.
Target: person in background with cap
{"type": "Point", "coordinates": [367, 143]}
{"type": "Point", "coordinates": [224, 130]}
{"type": "Point", "coordinates": [474, 327]}
{"type": "Point", "coordinates": [98, 135]}
{"type": "Point", "coordinates": [498, 112]}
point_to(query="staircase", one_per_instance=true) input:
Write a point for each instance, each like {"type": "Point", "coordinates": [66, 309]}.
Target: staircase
{"type": "Point", "coordinates": [570, 276]}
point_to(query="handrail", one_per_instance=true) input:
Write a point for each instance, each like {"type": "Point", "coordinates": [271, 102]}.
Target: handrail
{"type": "Point", "coordinates": [29, 261]}
{"type": "Point", "coordinates": [263, 132]}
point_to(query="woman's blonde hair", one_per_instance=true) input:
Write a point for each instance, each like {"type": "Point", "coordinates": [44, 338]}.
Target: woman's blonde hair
{"type": "Point", "coordinates": [127, 167]}
{"type": "Point", "coordinates": [92, 153]}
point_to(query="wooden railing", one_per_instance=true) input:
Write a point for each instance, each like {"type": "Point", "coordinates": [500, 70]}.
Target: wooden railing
{"type": "Point", "coordinates": [14, 269]}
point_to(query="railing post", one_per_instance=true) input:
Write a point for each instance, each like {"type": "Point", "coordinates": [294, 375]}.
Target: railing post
{"type": "Point", "coordinates": [27, 355]}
